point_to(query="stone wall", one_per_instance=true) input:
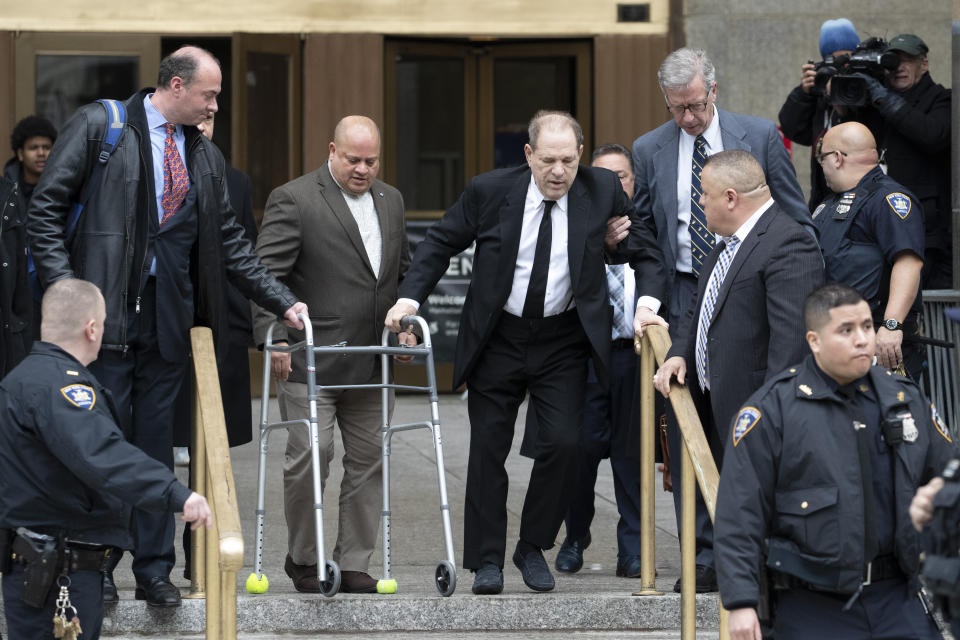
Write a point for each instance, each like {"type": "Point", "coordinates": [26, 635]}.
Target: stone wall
{"type": "Point", "coordinates": [759, 45]}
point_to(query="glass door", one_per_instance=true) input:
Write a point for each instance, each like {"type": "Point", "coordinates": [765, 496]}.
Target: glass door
{"type": "Point", "coordinates": [57, 73]}
{"type": "Point", "coordinates": [456, 109]}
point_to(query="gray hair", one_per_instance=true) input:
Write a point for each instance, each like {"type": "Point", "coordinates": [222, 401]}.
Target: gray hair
{"type": "Point", "coordinates": [554, 121]}
{"type": "Point", "coordinates": [682, 67]}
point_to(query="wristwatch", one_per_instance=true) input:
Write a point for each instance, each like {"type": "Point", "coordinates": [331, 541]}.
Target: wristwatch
{"type": "Point", "coordinates": [892, 325]}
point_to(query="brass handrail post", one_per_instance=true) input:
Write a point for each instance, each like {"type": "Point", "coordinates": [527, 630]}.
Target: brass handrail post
{"type": "Point", "coordinates": [688, 547]}
{"type": "Point", "coordinates": [213, 631]}
{"type": "Point", "coordinates": [648, 520]}
{"type": "Point", "coordinates": [697, 463]}
{"type": "Point", "coordinates": [198, 476]}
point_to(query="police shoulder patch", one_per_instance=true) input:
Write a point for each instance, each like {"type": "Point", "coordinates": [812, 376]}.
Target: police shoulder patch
{"type": "Point", "coordinates": [900, 203]}
{"type": "Point", "coordinates": [80, 395]}
{"type": "Point", "coordinates": [747, 419]}
{"type": "Point", "coordinates": [818, 210]}
{"type": "Point", "coordinates": [939, 423]}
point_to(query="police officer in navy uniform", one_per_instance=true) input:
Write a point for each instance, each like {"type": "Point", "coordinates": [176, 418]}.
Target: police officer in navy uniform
{"type": "Point", "coordinates": [872, 235]}
{"type": "Point", "coordinates": [817, 480]}
{"type": "Point", "coordinates": [68, 475]}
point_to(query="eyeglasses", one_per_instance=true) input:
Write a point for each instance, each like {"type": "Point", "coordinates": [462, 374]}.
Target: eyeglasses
{"type": "Point", "coordinates": [696, 107]}
{"type": "Point", "coordinates": [820, 157]}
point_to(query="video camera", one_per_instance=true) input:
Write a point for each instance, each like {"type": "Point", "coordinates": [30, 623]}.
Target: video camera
{"type": "Point", "coordinates": [941, 560]}
{"type": "Point", "coordinates": [871, 57]}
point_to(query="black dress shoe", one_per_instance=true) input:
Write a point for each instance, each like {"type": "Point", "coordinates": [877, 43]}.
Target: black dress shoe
{"type": "Point", "coordinates": [357, 582]}
{"type": "Point", "coordinates": [488, 580]}
{"type": "Point", "coordinates": [534, 570]}
{"type": "Point", "coordinates": [304, 576]}
{"type": "Point", "coordinates": [110, 594]}
{"type": "Point", "coordinates": [629, 567]}
{"type": "Point", "coordinates": [158, 592]}
{"type": "Point", "coordinates": [570, 557]}
{"type": "Point", "coordinates": [706, 580]}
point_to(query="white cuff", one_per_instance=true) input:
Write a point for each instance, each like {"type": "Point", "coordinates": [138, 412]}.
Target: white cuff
{"type": "Point", "coordinates": [414, 303]}
{"type": "Point", "coordinates": [649, 302]}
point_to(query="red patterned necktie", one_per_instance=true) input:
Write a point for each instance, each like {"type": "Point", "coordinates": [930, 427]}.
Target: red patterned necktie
{"type": "Point", "coordinates": [175, 179]}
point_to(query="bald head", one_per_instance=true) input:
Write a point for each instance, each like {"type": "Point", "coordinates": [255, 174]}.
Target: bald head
{"type": "Point", "coordinates": [733, 188]}
{"type": "Point", "coordinates": [188, 83]}
{"type": "Point", "coordinates": [355, 128]}
{"type": "Point", "coordinates": [738, 170]}
{"type": "Point", "coordinates": [847, 152]}
{"type": "Point", "coordinates": [355, 154]}
{"type": "Point", "coordinates": [852, 137]}
{"type": "Point", "coordinates": [73, 314]}
{"type": "Point", "coordinates": [184, 64]}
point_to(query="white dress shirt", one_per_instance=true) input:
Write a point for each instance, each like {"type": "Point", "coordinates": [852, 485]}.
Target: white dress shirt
{"type": "Point", "coordinates": [365, 213]}
{"type": "Point", "coordinates": [559, 295]}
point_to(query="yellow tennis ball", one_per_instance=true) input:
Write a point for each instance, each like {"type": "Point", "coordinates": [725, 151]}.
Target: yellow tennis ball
{"type": "Point", "coordinates": [257, 585]}
{"type": "Point", "coordinates": [387, 586]}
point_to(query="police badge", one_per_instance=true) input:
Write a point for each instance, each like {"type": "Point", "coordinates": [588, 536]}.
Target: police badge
{"type": "Point", "coordinates": [80, 395]}
{"type": "Point", "coordinates": [900, 203]}
{"type": "Point", "coordinates": [939, 423]}
{"type": "Point", "coordinates": [747, 419]}
{"type": "Point", "coordinates": [910, 432]}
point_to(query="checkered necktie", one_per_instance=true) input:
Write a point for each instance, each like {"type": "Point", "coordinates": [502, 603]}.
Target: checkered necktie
{"type": "Point", "coordinates": [706, 309]}
{"type": "Point", "coordinates": [701, 239]}
{"type": "Point", "coordinates": [615, 287]}
{"type": "Point", "coordinates": [175, 179]}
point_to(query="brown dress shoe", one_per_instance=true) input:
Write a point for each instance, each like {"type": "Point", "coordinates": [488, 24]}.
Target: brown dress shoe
{"type": "Point", "coordinates": [357, 582]}
{"type": "Point", "coordinates": [304, 576]}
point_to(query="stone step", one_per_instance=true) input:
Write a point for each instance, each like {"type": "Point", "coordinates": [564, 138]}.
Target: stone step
{"type": "Point", "coordinates": [466, 635]}
{"type": "Point", "coordinates": [529, 615]}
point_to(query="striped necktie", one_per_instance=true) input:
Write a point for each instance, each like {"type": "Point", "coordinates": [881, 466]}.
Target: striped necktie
{"type": "Point", "coordinates": [709, 302]}
{"type": "Point", "coordinates": [615, 286]}
{"type": "Point", "coordinates": [701, 239]}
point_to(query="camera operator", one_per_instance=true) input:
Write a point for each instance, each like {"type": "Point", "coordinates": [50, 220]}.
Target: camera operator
{"type": "Point", "coordinates": [915, 132]}
{"type": "Point", "coordinates": [807, 113]}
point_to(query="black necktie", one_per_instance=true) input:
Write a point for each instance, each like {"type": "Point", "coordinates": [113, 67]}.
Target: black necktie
{"type": "Point", "coordinates": [856, 413]}
{"type": "Point", "coordinates": [537, 289]}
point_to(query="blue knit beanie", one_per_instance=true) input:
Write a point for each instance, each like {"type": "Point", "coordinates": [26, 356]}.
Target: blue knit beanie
{"type": "Point", "coordinates": [837, 35]}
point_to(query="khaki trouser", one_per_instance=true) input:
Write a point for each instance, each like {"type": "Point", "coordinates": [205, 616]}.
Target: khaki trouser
{"type": "Point", "coordinates": [358, 414]}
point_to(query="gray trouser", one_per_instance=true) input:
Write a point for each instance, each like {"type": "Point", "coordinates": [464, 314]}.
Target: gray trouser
{"type": "Point", "coordinates": [357, 412]}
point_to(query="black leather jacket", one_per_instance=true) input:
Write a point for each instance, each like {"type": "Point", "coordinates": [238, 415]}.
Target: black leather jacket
{"type": "Point", "coordinates": [15, 299]}
{"type": "Point", "coordinates": [110, 246]}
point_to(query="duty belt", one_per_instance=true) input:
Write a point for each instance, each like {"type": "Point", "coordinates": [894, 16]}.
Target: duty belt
{"type": "Point", "coordinates": [884, 567]}
{"type": "Point", "coordinates": [81, 556]}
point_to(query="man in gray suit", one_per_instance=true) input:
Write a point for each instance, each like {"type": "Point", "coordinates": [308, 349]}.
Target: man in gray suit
{"type": "Point", "coordinates": [668, 161]}
{"type": "Point", "coordinates": [337, 237]}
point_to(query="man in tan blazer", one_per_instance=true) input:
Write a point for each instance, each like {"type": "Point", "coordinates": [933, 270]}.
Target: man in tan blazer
{"type": "Point", "coordinates": [337, 238]}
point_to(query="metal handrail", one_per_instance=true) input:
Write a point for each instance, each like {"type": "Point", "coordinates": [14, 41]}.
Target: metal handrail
{"type": "Point", "coordinates": [696, 462]}
{"type": "Point", "coordinates": [216, 555]}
